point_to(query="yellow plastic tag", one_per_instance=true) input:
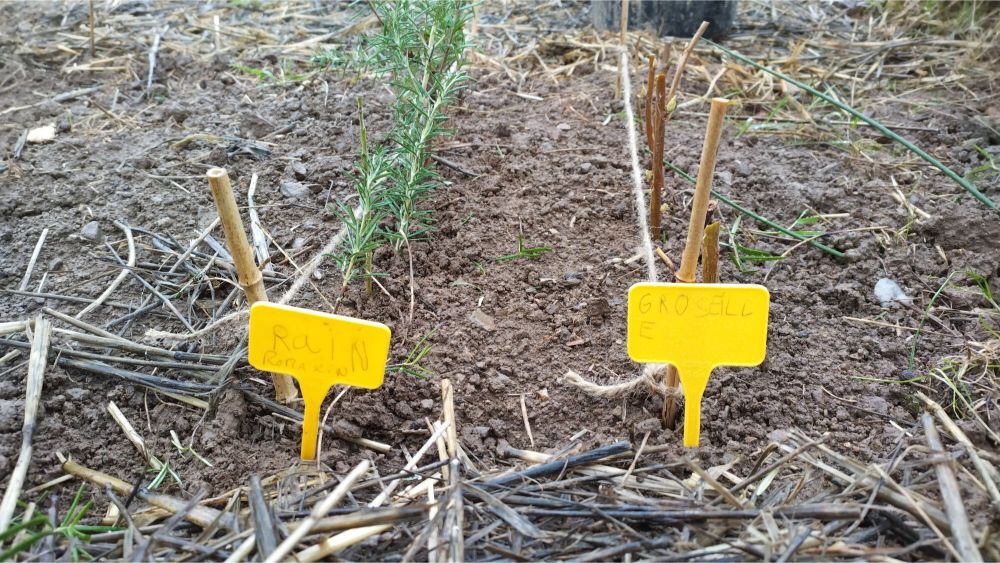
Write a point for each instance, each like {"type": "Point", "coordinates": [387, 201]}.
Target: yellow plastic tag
{"type": "Point", "coordinates": [697, 327]}
{"type": "Point", "coordinates": [319, 350]}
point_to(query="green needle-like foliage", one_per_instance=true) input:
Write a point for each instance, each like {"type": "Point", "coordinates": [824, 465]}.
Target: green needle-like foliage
{"type": "Point", "coordinates": [420, 48]}
{"type": "Point", "coordinates": [364, 233]}
{"type": "Point", "coordinates": [69, 529]}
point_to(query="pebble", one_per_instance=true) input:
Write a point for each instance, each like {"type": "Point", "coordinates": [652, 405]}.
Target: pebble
{"type": "Point", "coordinates": [298, 243]}
{"type": "Point", "coordinates": [483, 320]}
{"type": "Point", "coordinates": [649, 425]}
{"type": "Point", "coordinates": [586, 167]}
{"type": "Point", "coordinates": [427, 404]}
{"type": "Point", "coordinates": [875, 404]}
{"type": "Point", "coordinates": [742, 169]}
{"type": "Point", "coordinates": [293, 190]}
{"type": "Point", "coordinates": [92, 231]}
{"type": "Point", "coordinates": [852, 255]}
{"type": "Point", "coordinates": [888, 292]}
{"type": "Point", "coordinates": [726, 177]}
{"type": "Point", "coordinates": [563, 127]}
{"type": "Point", "coordinates": [43, 134]}
{"type": "Point", "coordinates": [55, 265]}
{"type": "Point", "coordinates": [298, 170]}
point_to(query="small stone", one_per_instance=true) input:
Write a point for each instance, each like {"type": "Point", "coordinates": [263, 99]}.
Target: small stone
{"type": "Point", "coordinates": [76, 393]}
{"type": "Point", "coordinates": [652, 425]}
{"type": "Point", "coordinates": [875, 404]}
{"type": "Point", "coordinates": [294, 190]}
{"type": "Point", "coordinates": [43, 134]}
{"type": "Point", "coordinates": [298, 242]}
{"type": "Point", "coordinates": [563, 127]}
{"type": "Point", "coordinates": [572, 278]}
{"type": "Point", "coordinates": [483, 320]}
{"type": "Point", "coordinates": [888, 292]}
{"type": "Point", "coordinates": [55, 265]}
{"type": "Point", "coordinates": [427, 404]}
{"type": "Point", "coordinates": [852, 255]}
{"type": "Point", "coordinates": [726, 177]}
{"type": "Point", "coordinates": [92, 232]}
{"type": "Point", "coordinates": [499, 382]}
{"type": "Point", "coordinates": [742, 169]}
{"type": "Point", "coordinates": [298, 170]}
{"type": "Point", "coordinates": [586, 167]}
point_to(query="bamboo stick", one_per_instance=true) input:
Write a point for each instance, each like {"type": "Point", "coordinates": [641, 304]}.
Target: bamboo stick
{"type": "Point", "coordinates": [703, 188]}
{"type": "Point", "coordinates": [250, 278]}
{"type": "Point", "coordinates": [622, 36]}
{"type": "Point", "coordinates": [696, 229]}
{"type": "Point", "coordinates": [37, 361]}
{"type": "Point", "coordinates": [710, 254]}
{"type": "Point", "coordinates": [659, 125]}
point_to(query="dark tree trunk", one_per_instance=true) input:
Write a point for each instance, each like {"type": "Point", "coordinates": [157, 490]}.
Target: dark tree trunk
{"type": "Point", "coordinates": [676, 18]}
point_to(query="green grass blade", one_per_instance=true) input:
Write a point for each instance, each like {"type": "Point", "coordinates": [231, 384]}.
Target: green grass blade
{"type": "Point", "coordinates": [966, 184]}
{"type": "Point", "coordinates": [40, 520]}
{"type": "Point", "coordinates": [923, 319]}
{"type": "Point", "coordinates": [754, 216]}
{"type": "Point", "coordinates": [26, 543]}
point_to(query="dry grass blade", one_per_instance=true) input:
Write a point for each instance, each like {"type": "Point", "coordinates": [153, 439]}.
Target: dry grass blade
{"type": "Point", "coordinates": [952, 496]}
{"type": "Point", "coordinates": [318, 512]}
{"type": "Point", "coordinates": [37, 361]}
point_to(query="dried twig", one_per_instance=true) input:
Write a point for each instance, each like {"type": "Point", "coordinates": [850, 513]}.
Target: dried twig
{"type": "Point", "coordinates": [130, 263]}
{"type": "Point", "coordinates": [961, 531]}
{"type": "Point", "coordinates": [37, 361]}
{"type": "Point", "coordinates": [34, 258]}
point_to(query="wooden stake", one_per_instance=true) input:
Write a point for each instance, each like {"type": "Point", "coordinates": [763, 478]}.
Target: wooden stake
{"type": "Point", "coordinates": [251, 280]}
{"type": "Point", "coordinates": [706, 169]}
{"type": "Point", "coordinates": [92, 22]}
{"type": "Point", "coordinates": [696, 229]}
{"type": "Point", "coordinates": [623, 20]}
{"type": "Point", "coordinates": [36, 373]}
{"type": "Point", "coordinates": [656, 194]}
{"type": "Point", "coordinates": [710, 257]}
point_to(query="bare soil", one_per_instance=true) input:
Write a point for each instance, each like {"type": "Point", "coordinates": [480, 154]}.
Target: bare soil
{"type": "Point", "coordinates": [551, 166]}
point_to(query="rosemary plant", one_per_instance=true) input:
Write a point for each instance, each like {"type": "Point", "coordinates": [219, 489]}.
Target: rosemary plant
{"type": "Point", "coordinates": [364, 232]}
{"type": "Point", "coordinates": [420, 48]}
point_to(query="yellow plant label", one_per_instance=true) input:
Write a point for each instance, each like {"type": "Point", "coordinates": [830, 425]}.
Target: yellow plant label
{"type": "Point", "coordinates": [319, 350]}
{"type": "Point", "coordinates": [697, 327]}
